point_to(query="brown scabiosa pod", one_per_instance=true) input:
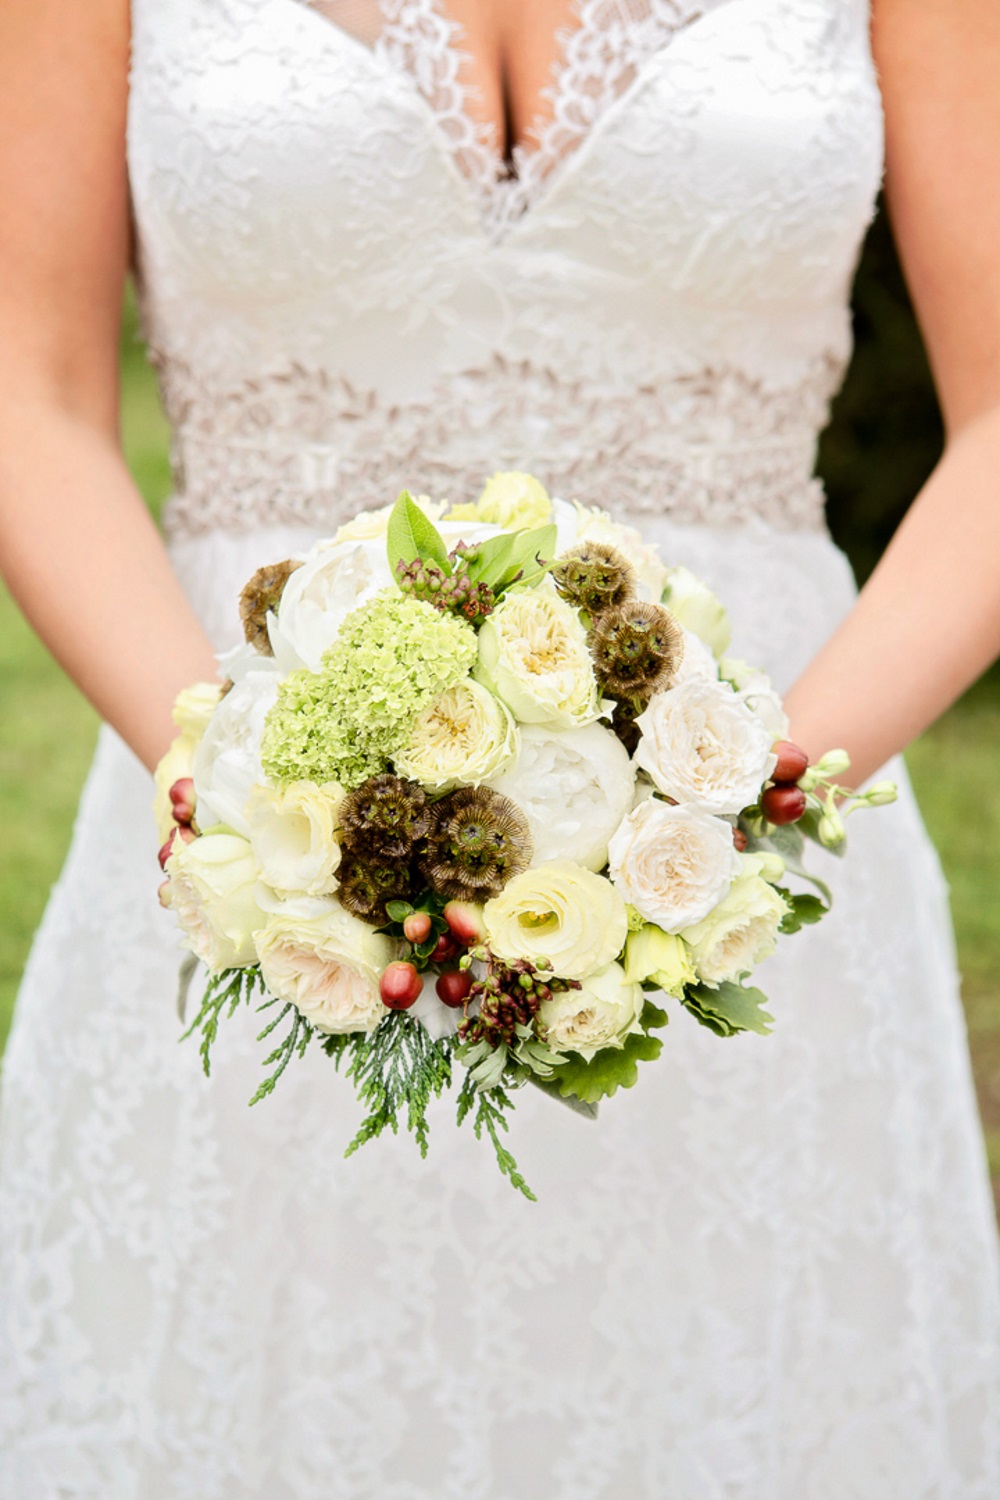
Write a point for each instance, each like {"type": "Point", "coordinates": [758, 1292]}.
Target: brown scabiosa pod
{"type": "Point", "coordinates": [594, 577]}
{"type": "Point", "coordinates": [481, 840]}
{"type": "Point", "coordinates": [261, 594]}
{"type": "Point", "coordinates": [637, 649]}
{"type": "Point", "coordinates": [384, 818]}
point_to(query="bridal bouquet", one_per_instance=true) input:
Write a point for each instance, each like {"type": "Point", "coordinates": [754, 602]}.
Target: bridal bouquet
{"type": "Point", "coordinates": [482, 788]}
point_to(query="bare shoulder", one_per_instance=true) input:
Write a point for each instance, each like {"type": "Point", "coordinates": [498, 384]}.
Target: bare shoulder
{"type": "Point", "coordinates": [939, 66]}
{"type": "Point", "coordinates": [64, 231]}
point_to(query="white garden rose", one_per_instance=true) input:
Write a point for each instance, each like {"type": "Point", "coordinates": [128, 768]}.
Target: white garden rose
{"type": "Point", "coordinates": [653, 956]}
{"type": "Point", "coordinates": [533, 654]}
{"type": "Point", "coordinates": [574, 786]}
{"type": "Point", "coordinates": [741, 931]}
{"type": "Point", "coordinates": [755, 689]}
{"type": "Point", "coordinates": [558, 913]}
{"type": "Point", "coordinates": [293, 834]}
{"type": "Point", "coordinates": [704, 748]}
{"type": "Point", "coordinates": [595, 525]}
{"type": "Point", "coordinates": [672, 864]}
{"type": "Point", "coordinates": [227, 765]}
{"type": "Point", "coordinates": [214, 896]}
{"type": "Point", "coordinates": [601, 1014]}
{"type": "Point", "coordinates": [335, 578]}
{"type": "Point", "coordinates": [326, 961]}
{"type": "Point", "coordinates": [693, 605]}
{"type": "Point", "coordinates": [512, 501]}
{"type": "Point", "coordinates": [466, 737]}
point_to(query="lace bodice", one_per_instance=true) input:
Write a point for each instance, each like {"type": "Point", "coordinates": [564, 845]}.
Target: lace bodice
{"type": "Point", "coordinates": [347, 290]}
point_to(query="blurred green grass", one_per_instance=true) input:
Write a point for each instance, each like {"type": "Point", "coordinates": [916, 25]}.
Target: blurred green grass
{"type": "Point", "coordinates": [47, 731]}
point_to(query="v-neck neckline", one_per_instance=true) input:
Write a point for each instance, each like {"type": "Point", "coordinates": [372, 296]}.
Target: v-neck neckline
{"type": "Point", "coordinates": [601, 56]}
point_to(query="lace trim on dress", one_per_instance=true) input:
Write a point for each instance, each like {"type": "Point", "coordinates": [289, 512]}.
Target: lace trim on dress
{"type": "Point", "coordinates": [599, 54]}
{"type": "Point", "coordinates": [306, 448]}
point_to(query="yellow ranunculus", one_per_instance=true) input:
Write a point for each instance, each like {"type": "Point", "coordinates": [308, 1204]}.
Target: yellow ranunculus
{"type": "Point", "coordinates": [558, 914]}
{"type": "Point", "coordinates": [514, 501]}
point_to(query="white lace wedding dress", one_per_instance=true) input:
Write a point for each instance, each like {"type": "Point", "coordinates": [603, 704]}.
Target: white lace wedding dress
{"type": "Point", "coordinates": [768, 1273]}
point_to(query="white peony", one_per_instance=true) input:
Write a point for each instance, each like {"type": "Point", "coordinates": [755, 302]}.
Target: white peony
{"type": "Point", "coordinates": [560, 914]}
{"type": "Point", "coordinates": [325, 961]}
{"type": "Point", "coordinates": [755, 689]}
{"type": "Point", "coordinates": [601, 1014]}
{"type": "Point", "coordinates": [693, 605]}
{"type": "Point", "coordinates": [293, 835]}
{"type": "Point", "coordinates": [697, 661]}
{"type": "Point", "coordinates": [227, 765]}
{"type": "Point", "coordinates": [574, 787]}
{"type": "Point", "coordinates": [334, 579]}
{"type": "Point", "coordinates": [466, 737]}
{"type": "Point", "coordinates": [672, 864]}
{"type": "Point", "coordinates": [704, 748]}
{"type": "Point", "coordinates": [595, 525]}
{"type": "Point", "coordinates": [533, 654]}
{"type": "Point", "coordinates": [742, 930]}
{"type": "Point", "coordinates": [214, 896]}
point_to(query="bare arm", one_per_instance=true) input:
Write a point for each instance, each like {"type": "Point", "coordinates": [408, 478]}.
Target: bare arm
{"type": "Point", "coordinates": [77, 546]}
{"type": "Point", "coordinates": [928, 621]}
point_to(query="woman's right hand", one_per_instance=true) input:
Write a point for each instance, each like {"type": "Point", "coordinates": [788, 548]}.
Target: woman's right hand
{"type": "Point", "coordinates": [78, 548]}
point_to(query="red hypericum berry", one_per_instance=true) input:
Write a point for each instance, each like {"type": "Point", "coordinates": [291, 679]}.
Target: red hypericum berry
{"type": "Point", "coordinates": [453, 987]}
{"type": "Point", "coordinates": [793, 761]}
{"type": "Point", "coordinates": [182, 800]}
{"type": "Point", "coordinates": [739, 840]}
{"type": "Point", "coordinates": [446, 949]}
{"type": "Point", "coordinates": [400, 986]}
{"type": "Point", "coordinates": [417, 927]}
{"type": "Point", "coordinates": [783, 804]}
{"type": "Point", "coordinates": [465, 922]}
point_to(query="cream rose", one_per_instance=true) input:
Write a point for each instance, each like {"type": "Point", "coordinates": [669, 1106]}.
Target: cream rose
{"type": "Point", "coordinates": [560, 914]}
{"type": "Point", "coordinates": [756, 690]}
{"type": "Point", "coordinates": [512, 501]}
{"type": "Point", "coordinates": [227, 765]}
{"type": "Point", "coordinates": [533, 654]}
{"type": "Point", "coordinates": [574, 786]}
{"type": "Point", "coordinates": [466, 737]}
{"type": "Point", "coordinates": [213, 894]}
{"type": "Point", "coordinates": [653, 956]}
{"type": "Point", "coordinates": [693, 605]}
{"type": "Point", "coordinates": [601, 1014]}
{"type": "Point", "coordinates": [326, 962]}
{"type": "Point", "coordinates": [672, 864]}
{"type": "Point", "coordinates": [293, 835]}
{"type": "Point", "coordinates": [704, 748]}
{"type": "Point", "coordinates": [742, 930]}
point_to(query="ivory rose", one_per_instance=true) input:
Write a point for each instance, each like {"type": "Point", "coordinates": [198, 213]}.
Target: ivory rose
{"type": "Point", "coordinates": [602, 1013]}
{"type": "Point", "coordinates": [465, 737]}
{"type": "Point", "coordinates": [704, 748]}
{"type": "Point", "coordinates": [672, 864]}
{"type": "Point", "coordinates": [213, 895]}
{"type": "Point", "coordinates": [325, 961]}
{"type": "Point", "coordinates": [293, 835]}
{"type": "Point", "coordinates": [743, 929]}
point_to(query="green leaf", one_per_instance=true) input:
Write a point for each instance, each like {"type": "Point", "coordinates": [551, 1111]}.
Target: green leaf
{"type": "Point", "coordinates": [515, 557]}
{"type": "Point", "coordinates": [533, 557]}
{"type": "Point", "coordinates": [412, 535]}
{"type": "Point", "coordinates": [399, 910]}
{"type": "Point", "coordinates": [612, 1068]}
{"type": "Point", "coordinates": [729, 1009]}
{"type": "Point", "coordinates": [805, 910]}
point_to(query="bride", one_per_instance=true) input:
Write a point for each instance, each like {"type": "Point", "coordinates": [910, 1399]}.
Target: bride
{"type": "Point", "coordinates": [410, 242]}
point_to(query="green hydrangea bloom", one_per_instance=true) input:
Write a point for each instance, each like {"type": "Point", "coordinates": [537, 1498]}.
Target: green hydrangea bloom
{"type": "Point", "coordinates": [390, 661]}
